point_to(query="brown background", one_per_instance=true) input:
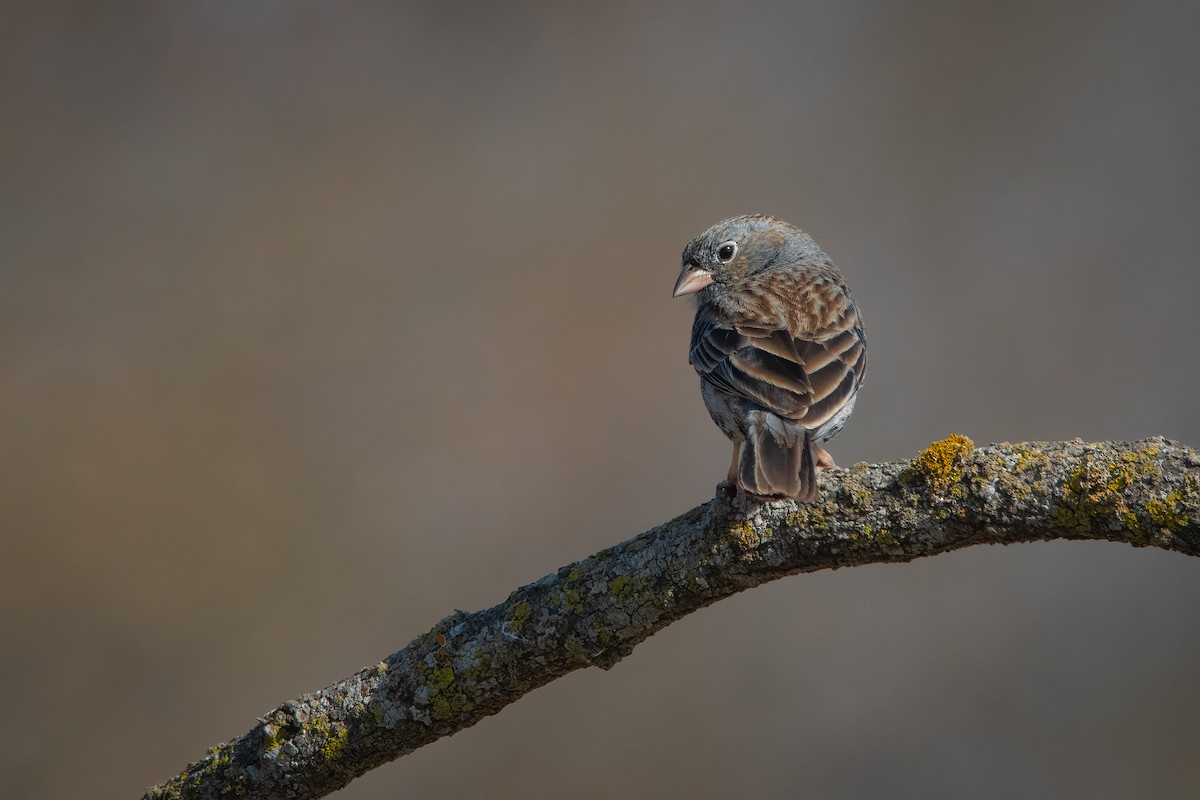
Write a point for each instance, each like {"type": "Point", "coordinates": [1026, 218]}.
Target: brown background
{"type": "Point", "coordinates": [319, 321]}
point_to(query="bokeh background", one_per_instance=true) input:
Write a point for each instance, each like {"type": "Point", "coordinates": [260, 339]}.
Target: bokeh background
{"type": "Point", "coordinates": [319, 321]}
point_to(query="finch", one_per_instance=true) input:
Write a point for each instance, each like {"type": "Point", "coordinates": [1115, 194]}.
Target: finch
{"type": "Point", "coordinates": [778, 344]}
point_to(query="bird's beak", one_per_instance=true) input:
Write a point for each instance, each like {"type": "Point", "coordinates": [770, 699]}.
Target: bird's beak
{"type": "Point", "coordinates": [691, 280]}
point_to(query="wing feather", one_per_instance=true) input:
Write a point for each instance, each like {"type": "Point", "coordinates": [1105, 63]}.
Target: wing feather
{"type": "Point", "coordinates": [804, 378]}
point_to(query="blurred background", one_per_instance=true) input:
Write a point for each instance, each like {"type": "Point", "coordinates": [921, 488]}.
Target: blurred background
{"type": "Point", "coordinates": [319, 321]}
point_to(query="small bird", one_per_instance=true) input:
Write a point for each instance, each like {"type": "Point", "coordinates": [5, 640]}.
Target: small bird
{"type": "Point", "coordinates": [778, 343]}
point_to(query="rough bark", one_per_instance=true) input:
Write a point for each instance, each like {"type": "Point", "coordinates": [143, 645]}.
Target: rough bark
{"type": "Point", "coordinates": [595, 611]}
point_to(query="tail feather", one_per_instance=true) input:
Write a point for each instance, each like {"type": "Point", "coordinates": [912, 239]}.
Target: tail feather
{"type": "Point", "coordinates": [777, 461]}
{"type": "Point", "coordinates": [808, 473]}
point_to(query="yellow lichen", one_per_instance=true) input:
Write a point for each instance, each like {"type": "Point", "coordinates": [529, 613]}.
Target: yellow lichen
{"type": "Point", "coordinates": [860, 497]}
{"type": "Point", "coordinates": [741, 528]}
{"type": "Point", "coordinates": [333, 745]}
{"type": "Point", "coordinates": [221, 755]}
{"type": "Point", "coordinates": [1170, 512]}
{"type": "Point", "coordinates": [745, 535]}
{"type": "Point", "coordinates": [939, 466]}
{"type": "Point", "coordinates": [811, 517]}
{"type": "Point", "coordinates": [332, 737]}
{"type": "Point", "coordinates": [882, 535]}
{"type": "Point", "coordinates": [272, 739]}
{"type": "Point", "coordinates": [1029, 457]}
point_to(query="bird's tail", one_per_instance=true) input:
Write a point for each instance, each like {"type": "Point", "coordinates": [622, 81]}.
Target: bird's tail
{"type": "Point", "coordinates": [776, 460]}
{"type": "Point", "coordinates": [808, 473]}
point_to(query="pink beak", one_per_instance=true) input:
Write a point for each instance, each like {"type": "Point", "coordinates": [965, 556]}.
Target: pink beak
{"type": "Point", "coordinates": [691, 280]}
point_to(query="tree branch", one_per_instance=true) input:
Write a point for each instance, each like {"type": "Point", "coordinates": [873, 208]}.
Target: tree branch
{"type": "Point", "coordinates": [595, 611]}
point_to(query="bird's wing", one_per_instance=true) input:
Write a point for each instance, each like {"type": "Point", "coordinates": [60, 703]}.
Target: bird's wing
{"type": "Point", "coordinates": [805, 378]}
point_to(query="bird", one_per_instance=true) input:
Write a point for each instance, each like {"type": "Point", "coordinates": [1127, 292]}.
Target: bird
{"type": "Point", "coordinates": [779, 346]}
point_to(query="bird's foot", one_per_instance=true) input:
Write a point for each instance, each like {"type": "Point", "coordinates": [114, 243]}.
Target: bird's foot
{"type": "Point", "coordinates": [824, 460]}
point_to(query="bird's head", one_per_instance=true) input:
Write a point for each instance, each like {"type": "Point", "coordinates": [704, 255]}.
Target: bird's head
{"type": "Point", "coordinates": [734, 250]}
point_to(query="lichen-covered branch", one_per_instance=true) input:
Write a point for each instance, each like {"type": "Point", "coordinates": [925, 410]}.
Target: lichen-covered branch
{"type": "Point", "coordinates": [595, 611]}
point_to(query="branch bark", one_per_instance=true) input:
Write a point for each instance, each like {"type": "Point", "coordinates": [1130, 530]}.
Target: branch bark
{"type": "Point", "coordinates": [595, 611]}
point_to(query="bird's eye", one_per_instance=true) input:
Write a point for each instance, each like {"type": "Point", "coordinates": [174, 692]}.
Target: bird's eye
{"type": "Point", "coordinates": [726, 252]}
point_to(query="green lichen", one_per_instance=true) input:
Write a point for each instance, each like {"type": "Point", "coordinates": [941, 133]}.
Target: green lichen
{"type": "Point", "coordinates": [1093, 497]}
{"type": "Point", "coordinates": [481, 670]}
{"type": "Point", "coordinates": [518, 614]}
{"type": "Point", "coordinates": [441, 678]}
{"type": "Point", "coordinates": [576, 650]}
{"type": "Point", "coordinates": [437, 681]}
{"type": "Point", "coordinates": [571, 596]}
{"type": "Point", "coordinates": [619, 587]}
{"type": "Point", "coordinates": [441, 708]}
{"type": "Point", "coordinates": [452, 694]}
{"type": "Point", "coordinates": [625, 589]}
{"type": "Point", "coordinates": [939, 466]}
{"type": "Point", "coordinates": [572, 600]}
{"type": "Point", "coordinates": [604, 636]}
